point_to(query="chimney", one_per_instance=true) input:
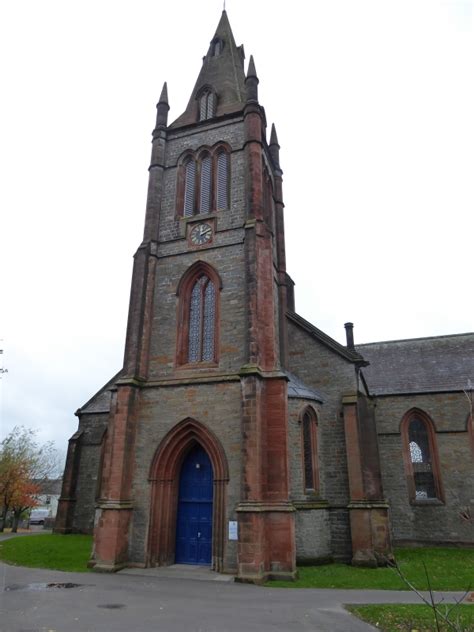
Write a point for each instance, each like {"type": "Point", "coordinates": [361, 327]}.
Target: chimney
{"type": "Point", "coordinates": [349, 336]}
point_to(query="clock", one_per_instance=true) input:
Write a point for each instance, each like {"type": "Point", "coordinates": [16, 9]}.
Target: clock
{"type": "Point", "coordinates": [201, 234]}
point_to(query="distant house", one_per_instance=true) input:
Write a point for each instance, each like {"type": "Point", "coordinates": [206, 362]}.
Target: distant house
{"type": "Point", "coordinates": [50, 490]}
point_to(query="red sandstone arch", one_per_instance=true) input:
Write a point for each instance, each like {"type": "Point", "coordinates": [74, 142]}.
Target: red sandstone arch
{"type": "Point", "coordinates": [164, 478]}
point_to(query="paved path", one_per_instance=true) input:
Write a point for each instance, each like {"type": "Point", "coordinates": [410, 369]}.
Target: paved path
{"type": "Point", "coordinates": [147, 600]}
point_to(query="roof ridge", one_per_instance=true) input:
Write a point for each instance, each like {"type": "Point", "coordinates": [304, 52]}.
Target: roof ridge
{"type": "Point", "coordinates": [382, 342]}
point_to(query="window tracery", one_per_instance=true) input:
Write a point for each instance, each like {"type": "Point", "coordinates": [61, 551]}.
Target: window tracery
{"type": "Point", "coordinates": [198, 315]}
{"type": "Point", "coordinates": [421, 457]}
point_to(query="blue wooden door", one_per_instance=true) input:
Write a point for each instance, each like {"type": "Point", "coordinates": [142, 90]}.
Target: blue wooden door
{"type": "Point", "coordinates": [194, 520]}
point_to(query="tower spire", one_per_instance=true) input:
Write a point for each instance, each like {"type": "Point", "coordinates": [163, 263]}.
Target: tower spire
{"type": "Point", "coordinates": [222, 73]}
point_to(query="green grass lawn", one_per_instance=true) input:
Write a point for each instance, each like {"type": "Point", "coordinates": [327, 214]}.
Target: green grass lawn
{"type": "Point", "coordinates": [60, 552]}
{"type": "Point", "coordinates": [398, 618]}
{"type": "Point", "coordinates": [448, 569]}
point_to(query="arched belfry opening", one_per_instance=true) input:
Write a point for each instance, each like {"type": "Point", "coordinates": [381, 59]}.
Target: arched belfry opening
{"type": "Point", "coordinates": [188, 476]}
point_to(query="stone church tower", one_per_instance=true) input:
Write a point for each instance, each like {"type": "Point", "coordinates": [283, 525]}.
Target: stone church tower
{"type": "Point", "coordinates": [237, 434]}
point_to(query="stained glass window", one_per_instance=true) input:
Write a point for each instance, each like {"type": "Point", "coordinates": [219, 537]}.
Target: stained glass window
{"type": "Point", "coordinates": [202, 321]}
{"type": "Point", "coordinates": [420, 455]}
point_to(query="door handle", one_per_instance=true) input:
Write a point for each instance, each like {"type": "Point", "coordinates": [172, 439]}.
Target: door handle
{"type": "Point", "coordinates": [199, 534]}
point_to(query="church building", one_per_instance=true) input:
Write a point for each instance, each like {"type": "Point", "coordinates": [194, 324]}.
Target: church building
{"type": "Point", "coordinates": [237, 434]}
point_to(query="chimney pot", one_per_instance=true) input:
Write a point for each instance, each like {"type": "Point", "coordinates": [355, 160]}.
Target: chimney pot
{"type": "Point", "coordinates": [349, 335]}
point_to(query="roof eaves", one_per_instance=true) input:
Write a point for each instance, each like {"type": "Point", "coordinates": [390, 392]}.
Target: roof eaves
{"type": "Point", "coordinates": [352, 356]}
{"type": "Point", "coordinates": [104, 388]}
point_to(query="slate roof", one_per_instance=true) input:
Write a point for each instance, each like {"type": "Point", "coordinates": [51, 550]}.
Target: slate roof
{"type": "Point", "coordinates": [419, 365]}
{"type": "Point", "coordinates": [49, 486]}
{"type": "Point", "coordinates": [297, 388]}
{"type": "Point", "coordinates": [100, 402]}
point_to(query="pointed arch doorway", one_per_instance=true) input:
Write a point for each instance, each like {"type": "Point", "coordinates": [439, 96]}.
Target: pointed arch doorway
{"type": "Point", "coordinates": [173, 529]}
{"type": "Point", "coordinates": [194, 515]}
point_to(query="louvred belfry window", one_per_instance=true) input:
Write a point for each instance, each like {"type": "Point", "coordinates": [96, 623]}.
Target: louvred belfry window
{"type": "Point", "coordinates": [206, 192]}
{"type": "Point", "coordinates": [189, 187]}
{"type": "Point", "coordinates": [207, 106]}
{"type": "Point", "coordinates": [421, 457]}
{"type": "Point", "coordinates": [204, 182]}
{"type": "Point", "coordinates": [310, 451]}
{"type": "Point", "coordinates": [198, 293]}
{"type": "Point", "coordinates": [222, 194]}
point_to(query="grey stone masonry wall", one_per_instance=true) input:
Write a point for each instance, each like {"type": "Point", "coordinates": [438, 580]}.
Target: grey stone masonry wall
{"type": "Point", "coordinates": [312, 527]}
{"type": "Point", "coordinates": [225, 253]}
{"type": "Point", "coordinates": [424, 521]}
{"type": "Point", "coordinates": [229, 263]}
{"type": "Point", "coordinates": [313, 536]}
{"type": "Point", "coordinates": [218, 407]}
{"type": "Point", "coordinates": [171, 225]}
{"type": "Point", "coordinates": [93, 426]}
{"type": "Point", "coordinates": [296, 408]}
{"type": "Point", "coordinates": [324, 370]}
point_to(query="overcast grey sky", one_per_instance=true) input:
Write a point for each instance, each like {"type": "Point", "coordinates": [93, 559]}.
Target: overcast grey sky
{"type": "Point", "coordinates": [373, 103]}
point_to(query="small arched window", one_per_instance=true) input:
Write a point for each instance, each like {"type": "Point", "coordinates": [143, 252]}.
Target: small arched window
{"type": "Point", "coordinates": [309, 431]}
{"type": "Point", "coordinates": [207, 105]}
{"type": "Point", "coordinates": [216, 48]}
{"type": "Point", "coordinates": [421, 457]}
{"type": "Point", "coordinates": [198, 293]}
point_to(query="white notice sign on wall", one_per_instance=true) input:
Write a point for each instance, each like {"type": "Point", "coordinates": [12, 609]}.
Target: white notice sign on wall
{"type": "Point", "coordinates": [233, 530]}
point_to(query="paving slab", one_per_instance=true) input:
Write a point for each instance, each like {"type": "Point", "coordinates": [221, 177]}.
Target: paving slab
{"type": "Point", "coordinates": [179, 571]}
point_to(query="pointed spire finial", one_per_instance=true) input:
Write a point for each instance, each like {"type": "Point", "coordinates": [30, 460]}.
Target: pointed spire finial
{"type": "Point", "coordinates": [251, 72]}
{"type": "Point", "coordinates": [164, 94]}
{"type": "Point", "coordinates": [162, 108]}
{"type": "Point", "coordinates": [274, 147]}
{"type": "Point", "coordinates": [273, 136]}
{"type": "Point", "coordinates": [251, 82]}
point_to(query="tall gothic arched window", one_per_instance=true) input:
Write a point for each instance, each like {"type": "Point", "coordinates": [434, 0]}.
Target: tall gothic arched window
{"type": "Point", "coordinates": [204, 182]}
{"type": "Point", "coordinates": [198, 315]}
{"type": "Point", "coordinates": [309, 430]}
{"type": "Point", "coordinates": [421, 457]}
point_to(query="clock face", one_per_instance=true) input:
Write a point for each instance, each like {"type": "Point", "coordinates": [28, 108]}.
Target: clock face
{"type": "Point", "coordinates": [201, 234]}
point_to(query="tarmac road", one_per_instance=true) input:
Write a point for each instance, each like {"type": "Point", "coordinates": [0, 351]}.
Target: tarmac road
{"type": "Point", "coordinates": [144, 600]}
